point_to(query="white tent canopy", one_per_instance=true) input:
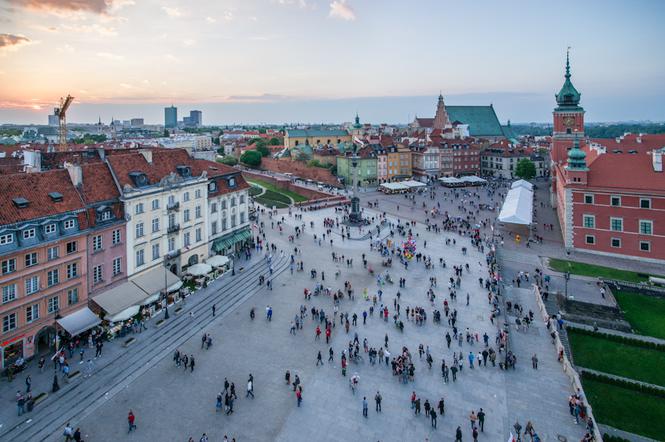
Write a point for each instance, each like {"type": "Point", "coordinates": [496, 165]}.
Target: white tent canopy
{"type": "Point", "coordinates": [79, 321]}
{"type": "Point", "coordinates": [518, 207]}
{"type": "Point", "coordinates": [472, 179]}
{"type": "Point", "coordinates": [199, 269]}
{"type": "Point", "coordinates": [218, 261]}
{"type": "Point", "coordinates": [394, 186]}
{"type": "Point", "coordinates": [450, 180]}
{"type": "Point", "coordinates": [411, 184]}
{"type": "Point", "coordinates": [522, 183]}
{"type": "Point", "coordinates": [153, 281]}
{"type": "Point", "coordinates": [175, 287]}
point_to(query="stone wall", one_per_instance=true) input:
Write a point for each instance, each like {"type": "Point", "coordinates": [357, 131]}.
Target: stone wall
{"type": "Point", "coordinates": [300, 170]}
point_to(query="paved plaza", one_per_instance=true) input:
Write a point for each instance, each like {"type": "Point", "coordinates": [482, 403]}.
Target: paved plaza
{"type": "Point", "coordinates": [171, 404]}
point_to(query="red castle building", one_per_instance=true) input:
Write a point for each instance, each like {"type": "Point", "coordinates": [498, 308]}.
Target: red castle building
{"type": "Point", "coordinates": [609, 194]}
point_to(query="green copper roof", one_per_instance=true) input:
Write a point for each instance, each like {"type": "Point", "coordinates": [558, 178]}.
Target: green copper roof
{"type": "Point", "coordinates": [576, 158]}
{"type": "Point", "coordinates": [482, 120]}
{"type": "Point", "coordinates": [357, 125]}
{"type": "Point", "coordinates": [508, 132]}
{"type": "Point", "coordinates": [568, 96]}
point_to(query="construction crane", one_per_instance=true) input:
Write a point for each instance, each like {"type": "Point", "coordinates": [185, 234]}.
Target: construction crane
{"type": "Point", "coordinates": [61, 112]}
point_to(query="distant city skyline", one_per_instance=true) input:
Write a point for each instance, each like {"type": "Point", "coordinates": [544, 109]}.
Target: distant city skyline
{"type": "Point", "coordinates": [276, 61]}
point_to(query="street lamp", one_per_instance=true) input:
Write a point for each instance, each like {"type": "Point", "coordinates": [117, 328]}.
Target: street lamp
{"type": "Point", "coordinates": [566, 277]}
{"type": "Point", "coordinates": [166, 292]}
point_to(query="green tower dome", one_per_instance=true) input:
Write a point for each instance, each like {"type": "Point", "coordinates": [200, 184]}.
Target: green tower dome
{"type": "Point", "coordinates": [568, 96]}
{"type": "Point", "coordinates": [576, 158]}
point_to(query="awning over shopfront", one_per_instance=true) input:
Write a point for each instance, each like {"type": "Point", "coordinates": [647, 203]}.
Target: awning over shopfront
{"type": "Point", "coordinates": [199, 269]}
{"type": "Point", "coordinates": [125, 314]}
{"type": "Point", "coordinates": [218, 261]}
{"type": "Point", "coordinates": [174, 287]}
{"type": "Point", "coordinates": [154, 281]}
{"type": "Point", "coordinates": [119, 298]}
{"type": "Point", "coordinates": [222, 244]}
{"type": "Point", "coordinates": [79, 321]}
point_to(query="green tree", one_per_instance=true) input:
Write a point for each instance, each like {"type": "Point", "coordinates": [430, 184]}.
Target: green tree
{"type": "Point", "coordinates": [274, 141]}
{"type": "Point", "coordinates": [228, 160]}
{"type": "Point", "coordinates": [251, 158]}
{"type": "Point", "coordinates": [525, 169]}
{"type": "Point", "coordinates": [313, 163]}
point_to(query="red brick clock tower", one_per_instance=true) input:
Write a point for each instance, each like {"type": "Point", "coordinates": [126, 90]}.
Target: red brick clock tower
{"type": "Point", "coordinates": [568, 118]}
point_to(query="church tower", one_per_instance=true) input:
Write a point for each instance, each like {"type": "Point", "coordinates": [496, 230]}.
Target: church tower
{"type": "Point", "coordinates": [441, 120]}
{"type": "Point", "coordinates": [568, 118]}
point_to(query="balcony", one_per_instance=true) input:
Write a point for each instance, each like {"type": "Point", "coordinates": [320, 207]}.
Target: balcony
{"type": "Point", "coordinates": [173, 207]}
{"type": "Point", "coordinates": [173, 228]}
{"type": "Point", "coordinates": [173, 254]}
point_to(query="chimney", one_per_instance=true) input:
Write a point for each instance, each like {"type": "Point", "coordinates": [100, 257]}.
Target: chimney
{"type": "Point", "coordinates": [75, 173]}
{"type": "Point", "coordinates": [147, 154]}
{"type": "Point", "coordinates": [657, 160]}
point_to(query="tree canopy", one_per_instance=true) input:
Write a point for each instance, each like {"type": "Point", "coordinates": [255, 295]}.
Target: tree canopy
{"type": "Point", "coordinates": [525, 169]}
{"type": "Point", "coordinates": [229, 160]}
{"type": "Point", "coordinates": [251, 158]}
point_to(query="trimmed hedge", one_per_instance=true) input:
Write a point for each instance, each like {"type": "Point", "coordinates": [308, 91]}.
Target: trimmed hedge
{"type": "Point", "coordinates": [610, 438]}
{"type": "Point", "coordinates": [646, 389]}
{"type": "Point", "coordinates": [618, 338]}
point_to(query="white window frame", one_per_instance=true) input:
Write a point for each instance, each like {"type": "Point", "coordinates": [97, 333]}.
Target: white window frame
{"type": "Point", "coordinates": [116, 237]}
{"type": "Point", "coordinates": [615, 205]}
{"type": "Point", "coordinates": [29, 233]}
{"type": "Point", "coordinates": [72, 270]}
{"type": "Point", "coordinates": [97, 243]}
{"type": "Point", "coordinates": [648, 243]}
{"type": "Point", "coordinates": [10, 265]}
{"type": "Point", "coordinates": [138, 209]}
{"type": "Point", "coordinates": [589, 195]}
{"type": "Point", "coordinates": [31, 285]}
{"type": "Point", "coordinates": [646, 222]}
{"type": "Point", "coordinates": [53, 277]}
{"type": "Point", "coordinates": [117, 266]}
{"type": "Point", "coordinates": [648, 200]}
{"type": "Point", "coordinates": [155, 248]}
{"type": "Point", "coordinates": [155, 204]}
{"type": "Point", "coordinates": [586, 217]}
{"type": "Point", "coordinates": [7, 238]}
{"type": "Point", "coordinates": [53, 304]}
{"type": "Point", "coordinates": [593, 240]}
{"type": "Point", "coordinates": [8, 293]}
{"type": "Point", "coordinates": [49, 228]}
{"type": "Point", "coordinates": [138, 230]}
{"type": "Point", "coordinates": [69, 224]}
{"type": "Point", "coordinates": [9, 322]}
{"type": "Point", "coordinates": [73, 294]}
{"type": "Point", "coordinates": [52, 253]}
{"type": "Point", "coordinates": [612, 243]}
{"type": "Point", "coordinates": [612, 219]}
{"type": "Point", "coordinates": [139, 256]}
{"type": "Point", "coordinates": [31, 313]}
{"type": "Point", "coordinates": [155, 225]}
{"type": "Point", "coordinates": [97, 274]}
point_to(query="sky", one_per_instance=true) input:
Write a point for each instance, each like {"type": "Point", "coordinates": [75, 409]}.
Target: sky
{"type": "Point", "coordinates": [321, 61]}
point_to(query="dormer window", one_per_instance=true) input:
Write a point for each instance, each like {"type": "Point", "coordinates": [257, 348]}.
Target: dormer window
{"type": "Point", "coordinates": [139, 179]}
{"type": "Point", "coordinates": [212, 186]}
{"type": "Point", "coordinates": [232, 182]}
{"type": "Point", "coordinates": [106, 215]}
{"type": "Point", "coordinates": [184, 171]}
{"type": "Point", "coordinates": [7, 238]}
{"type": "Point", "coordinates": [49, 229]}
{"type": "Point", "coordinates": [56, 197]}
{"type": "Point", "coordinates": [29, 233]}
{"type": "Point", "coordinates": [69, 224]}
{"type": "Point", "coordinates": [20, 202]}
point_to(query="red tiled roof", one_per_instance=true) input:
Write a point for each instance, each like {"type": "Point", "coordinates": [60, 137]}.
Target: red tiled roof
{"type": "Point", "coordinates": [35, 187]}
{"type": "Point", "coordinates": [98, 183]}
{"type": "Point", "coordinates": [625, 171]}
{"type": "Point", "coordinates": [425, 122]}
{"type": "Point", "coordinates": [640, 143]}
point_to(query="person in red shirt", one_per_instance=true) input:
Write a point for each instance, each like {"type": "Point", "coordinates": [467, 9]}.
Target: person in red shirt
{"type": "Point", "coordinates": [130, 420]}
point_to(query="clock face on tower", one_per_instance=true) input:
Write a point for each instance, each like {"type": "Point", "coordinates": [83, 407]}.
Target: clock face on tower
{"type": "Point", "coordinates": [568, 121]}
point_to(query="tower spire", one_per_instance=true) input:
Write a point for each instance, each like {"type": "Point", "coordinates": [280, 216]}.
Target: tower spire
{"type": "Point", "coordinates": [568, 62]}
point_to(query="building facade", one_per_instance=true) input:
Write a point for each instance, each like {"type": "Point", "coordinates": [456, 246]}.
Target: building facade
{"type": "Point", "coordinates": [315, 137]}
{"type": "Point", "coordinates": [43, 252]}
{"type": "Point", "coordinates": [170, 117]}
{"type": "Point", "coordinates": [609, 201]}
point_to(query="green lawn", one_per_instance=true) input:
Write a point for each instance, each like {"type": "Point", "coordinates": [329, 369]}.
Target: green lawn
{"type": "Point", "coordinates": [270, 198]}
{"type": "Point", "coordinates": [626, 409]}
{"type": "Point", "coordinates": [580, 268]}
{"type": "Point", "coordinates": [255, 190]}
{"type": "Point", "coordinates": [646, 314]}
{"type": "Point", "coordinates": [269, 186]}
{"type": "Point", "coordinates": [629, 361]}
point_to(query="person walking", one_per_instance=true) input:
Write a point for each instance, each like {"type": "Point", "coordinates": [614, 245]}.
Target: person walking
{"type": "Point", "coordinates": [427, 407]}
{"type": "Point", "coordinates": [432, 415]}
{"type": "Point", "coordinates": [330, 355]}
{"type": "Point", "coordinates": [473, 418]}
{"type": "Point", "coordinates": [68, 433]}
{"type": "Point", "coordinates": [365, 407]}
{"type": "Point", "coordinates": [213, 310]}
{"type": "Point", "coordinates": [191, 363]}
{"type": "Point", "coordinates": [130, 421]}
{"type": "Point", "coordinates": [534, 362]}
{"type": "Point", "coordinates": [458, 434]}
{"type": "Point", "coordinates": [442, 407]}
{"type": "Point", "coordinates": [319, 359]}
{"type": "Point", "coordinates": [474, 434]}
{"type": "Point", "coordinates": [481, 420]}
{"type": "Point", "coordinates": [299, 396]}
{"type": "Point", "coordinates": [250, 388]}
{"type": "Point", "coordinates": [378, 400]}
{"type": "Point", "coordinates": [28, 384]}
